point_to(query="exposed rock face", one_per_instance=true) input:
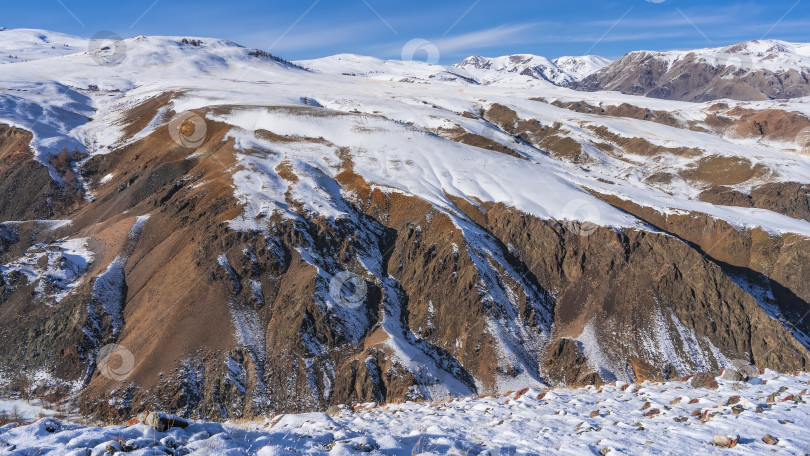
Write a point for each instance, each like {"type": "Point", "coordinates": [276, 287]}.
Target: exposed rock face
{"type": "Point", "coordinates": [568, 366]}
{"type": "Point", "coordinates": [773, 268]}
{"type": "Point", "coordinates": [638, 281]}
{"type": "Point", "coordinates": [234, 320]}
{"type": "Point", "coordinates": [401, 245]}
{"type": "Point", "coordinates": [622, 110]}
{"type": "Point", "coordinates": [756, 70]}
{"type": "Point", "coordinates": [25, 185]}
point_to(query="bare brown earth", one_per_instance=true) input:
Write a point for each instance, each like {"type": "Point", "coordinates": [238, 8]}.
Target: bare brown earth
{"type": "Point", "coordinates": [471, 139]}
{"type": "Point", "coordinates": [789, 198]}
{"type": "Point", "coordinates": [548, 138]}
{"type": "Point", "coordinates": [640, 146]}
{"type": "Point", "coordinates": [25, 184]}
{"type": "Point", "coordinates": [139, 116]}
{"type": "Point", "coordinates": [625, 110]}
{"type": "Point", "coordinates": [722, 170]}
{"type": "Point", "coordinates": [188, 273]}
{"type": "Point", "coordinates": [773, 124]}
{"type": "Point", "coordinates": [769, 123]}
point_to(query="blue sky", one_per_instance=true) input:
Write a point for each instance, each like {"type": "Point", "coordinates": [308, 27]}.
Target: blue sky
{"type": "Point", "coordinates": [305, 29]}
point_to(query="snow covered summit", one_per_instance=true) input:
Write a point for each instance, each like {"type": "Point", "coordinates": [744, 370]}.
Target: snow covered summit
{"type": "Point", "coordinates": [751, 70]}
{"type": "Point", "coordinates": [561, 72]}
{"type": "Point", "coordinates": [579, 67]}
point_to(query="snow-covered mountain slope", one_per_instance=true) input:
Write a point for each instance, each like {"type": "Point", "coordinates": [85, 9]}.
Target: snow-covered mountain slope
{"type": "Point", "coordinates": [496, 235]}
{"type": "Point", "coordinates": [772, 55]}
{"type": "Point", "coordinates": [19, 45]}
{"type": "Point", "coordinates": [532, 66]}
{"type": "Point", "coordinates": [579, 67]}
{"type": "Point", "coordinates": [649, 418]}
{"type": "Point", "coordinates": [561, 71]}
{"type": "Point", "coordinates": [225, 73]}
{"type": "Point", "coordinates": [58, 111]}
{"type": "Point", "coordinates": [507, 70]}
{"type": "Point", "coordinates": [751, 70]}
{"type": "Point", "coordinates": [385, 70]}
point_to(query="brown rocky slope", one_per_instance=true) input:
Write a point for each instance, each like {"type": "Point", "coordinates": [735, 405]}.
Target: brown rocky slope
{"type": "Point", "coordinates": [223, 322]}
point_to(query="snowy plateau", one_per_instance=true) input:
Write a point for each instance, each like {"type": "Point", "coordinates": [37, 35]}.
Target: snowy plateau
{"type": "Point", "coordinates": [508, 255]}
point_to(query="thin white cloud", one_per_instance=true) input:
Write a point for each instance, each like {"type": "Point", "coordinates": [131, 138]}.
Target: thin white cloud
{"type": "Point", "coordinates": [661, 29]}
{"type": "Point", "coordinates": [482, 39]}
{"type": "Point", "coordinates": [467, 43]}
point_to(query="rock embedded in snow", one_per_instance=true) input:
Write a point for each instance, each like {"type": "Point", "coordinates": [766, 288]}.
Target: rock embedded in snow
{"type": "Point", "coordinates": [705, 380]}
{"type": "Point", "coordinates": [162, 421]}
{"type": "Point", "coordinates": [494, 425]}
{"type": "Point", "coordinates": [726, 441]}
{"type": "Point", "coordinates": [733, 375]}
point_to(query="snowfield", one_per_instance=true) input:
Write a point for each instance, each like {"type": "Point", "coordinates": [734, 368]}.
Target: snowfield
{"type": "Point", "coordinates": [649, 418]}
{"type": "Point", "coordinates": [20, 45]}
{"type": "Point", "coordinates": [393, 119]}
{"type": "Point", "coordinates": [70, 101]}
{"type": "Point", "coordinates": [771, 55]}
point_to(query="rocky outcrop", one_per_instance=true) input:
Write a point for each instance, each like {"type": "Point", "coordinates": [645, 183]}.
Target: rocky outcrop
{"type": "Point", "coordinates": [768, 266]}
{"type": "Point", "coordinates": [622, 110]}
{"type": "Point", "coordinates": [789, 198]}
{"type": "Point", "coordinates": [25, 185]}
{"type": "Point", "coordinates": [162, 422]}
{"type": "Point", "coordinates": [220, 321]}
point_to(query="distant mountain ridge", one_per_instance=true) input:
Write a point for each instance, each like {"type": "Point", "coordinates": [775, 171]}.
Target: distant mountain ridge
{"type": "Point", "coordinates": [562, 71]}
{"type": "Point", "coordinates": [752, 70]}
{"type": "Point", "coordinates": [580, 67]}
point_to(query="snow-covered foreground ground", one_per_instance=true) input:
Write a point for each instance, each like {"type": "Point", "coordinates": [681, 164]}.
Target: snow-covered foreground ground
{"type": "Point", "coordinates": [28, 411]}
{"type": "Point", "coordinates": [651, 418]}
